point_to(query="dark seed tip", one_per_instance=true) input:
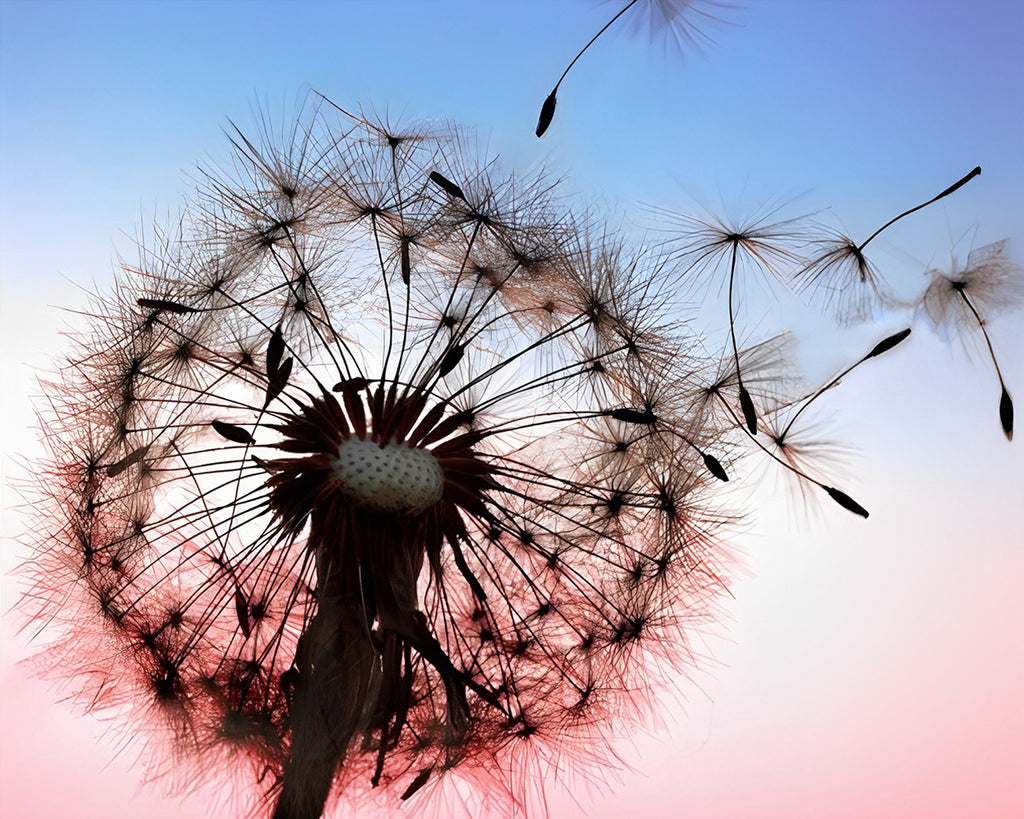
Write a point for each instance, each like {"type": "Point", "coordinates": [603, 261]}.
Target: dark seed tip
{"type": "Point", "coordinates": [417, 783]}
{"type": "Point", "coordinates": [233, 433]}
{"type": "Point", "coordinates": [134, 457]}
{"type": "Point", "coordinates": [451, 359]}
{"type": "Point", "coordinates": [960, 183]}
{"type": "Point", "coordinates": [715, 467]}
{"type": "Point", "coordinates": [887, 344]}
{"type": "Point", "coordinates": [278, 380]}
{"type": "Point", "coordinates": [846, 501]}
{"type": "Point", "coordinates": [749, 415]}
{"type": "Point", "coordinates": [1006, 414]}
{"type": "Point", "coordinates": [547, 113]}
{"type": "Point", "coordinates": [447, 185]}
{"type": "Point", "coordinates": [632, 416]}
{"type": "Point", "coordinates": [406, 264]}
{"type": "Point", "coordinates": [351, 384]}
{"type": "Point", "coordinates": [275, 350]}
{"type": "Point", "coordinates": [166, 305]}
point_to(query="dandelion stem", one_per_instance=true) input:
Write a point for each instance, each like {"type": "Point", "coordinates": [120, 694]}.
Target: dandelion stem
{"type": "Point", "coordinates": [884, 345]}
{"type": "Point", "coordinates": [954, 187]}
{"type": "Point", "coordinates": [387, 298]}
{"type": "Point", "coordinates": [403, 251]}
{"type": "Point", "coordinates": [548, 109]}
{"type": "Point", "coordinates": [593, 39]}
{"type": "Point", "coordinates": [746, 404]}
{"type": "Point", "coordinates": [1005, 402]}
{"type": "Point", "coordinates": [431, 377]}
{"type": "Point", "coordinates": [837, 495]}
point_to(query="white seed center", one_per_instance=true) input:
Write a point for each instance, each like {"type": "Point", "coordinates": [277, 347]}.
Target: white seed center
{"type": "Point", "coordinates": [394, 478]}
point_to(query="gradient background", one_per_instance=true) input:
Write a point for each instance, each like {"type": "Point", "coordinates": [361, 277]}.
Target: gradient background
{"type": "Point", "coordinates": [867, 668]}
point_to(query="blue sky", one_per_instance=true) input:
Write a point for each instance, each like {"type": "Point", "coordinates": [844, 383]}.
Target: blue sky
{"type": "Point", "coordinates": [861, 107]}
{"type": "Point", "coordinates": [837, 103]}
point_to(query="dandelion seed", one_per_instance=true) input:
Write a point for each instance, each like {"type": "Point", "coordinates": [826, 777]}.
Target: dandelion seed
{"type": "Point", "coordinates": [958, 302]}
{"type": "Point", "coordinates": [769, 363]}
{"type": "Point", "coordinates": [851, 284]}
{"type": "Point", "coordinates": [383, 475]}
{"type": "Point", "coordinates": [656, 16]}
{"type": "Point", "coordinates": [704, 245]}
{"type": "Point", "coordinates": [789, 459]}
{"type": "Point", "coordinates": [883, 346]}
{"type": "Point", "coordinates": [796, 450]}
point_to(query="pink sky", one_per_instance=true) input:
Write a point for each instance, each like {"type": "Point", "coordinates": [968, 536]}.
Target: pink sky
{"type": "Point", "coordinates": [872, 668]}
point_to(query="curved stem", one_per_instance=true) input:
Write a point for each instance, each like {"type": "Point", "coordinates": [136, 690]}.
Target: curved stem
{"type": "Point", "coordinates": [593, 39]}
{"type": "Point", "coordinates": [837, 495]}
{"type": "Point", "coordinates": [984, 332]}
{"type": "Point", "coordinates": [954, 187]}
{"type": "Point", "coordinates": [1005, 402]}
{"type": "Point", "coordinates": [746, 404]}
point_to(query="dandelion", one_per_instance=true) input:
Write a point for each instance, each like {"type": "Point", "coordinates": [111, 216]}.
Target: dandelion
{"type": "Point", "coordinates": [703, 246]}
{"type": "Point", "coordinates": [880, 348]}
{"type": "Point", "coordinates": [767, 365]}
{"type": "Point", "coordinates": [852, 285]}
{"type": "Point", "coordinates": [958, 303]}
{"type": "Point", "coordinates": [381, 475]}
{"type": "Point", "coordinates": [792, 446]}
{"type": "Point", "coordinates": [655, 16]}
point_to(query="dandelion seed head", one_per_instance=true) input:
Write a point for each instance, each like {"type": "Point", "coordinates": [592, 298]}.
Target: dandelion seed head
{"type": "Point", "coordinates": [378, 477]}
{"type": "Point", "coordinates": [392, 478]}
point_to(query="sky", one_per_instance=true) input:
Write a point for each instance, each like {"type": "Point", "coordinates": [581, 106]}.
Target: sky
{"type": "Point", "coordinates": [863, 668]}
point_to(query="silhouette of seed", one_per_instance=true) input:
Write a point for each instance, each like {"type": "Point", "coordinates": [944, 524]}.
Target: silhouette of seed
{"type": "Point", "coordinates": [747, 405]}
{"type": "Point", "coordinates": [887, 344]}
{"type": "Point", "coordinates": [547, 113]}
{"type": "Point", "coordinates": [714, 467]}
{"type": "Point", "coordinates": [165, 304]}
{"type": "Point", "coordinates": [1006, 414]}
{"type": "Point", "coordinates": [137, 455]}
{"type": "Point", "coordinates": [277, 381]}
{"type": "Point", "coordinates": [846, 501]}
{"type": "Point", "coordinates": [447, 186]}
{"type": "Point", "coordinates": [406, 265]}
{"type": "Point", "coordinates": [232, 433]}
{"type": "Point", "coordinates": [417, 783]}
{"type": "Point", "coordinates": [633, 416]}
{"type": "Point", "coordinates": [275, 350]}
{"type": "Point", "coordinates": [451, 359]}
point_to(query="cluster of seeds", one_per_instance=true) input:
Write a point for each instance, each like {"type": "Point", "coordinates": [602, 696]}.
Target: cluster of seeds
{"type": "Point", "coordinates": [382, 470]}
